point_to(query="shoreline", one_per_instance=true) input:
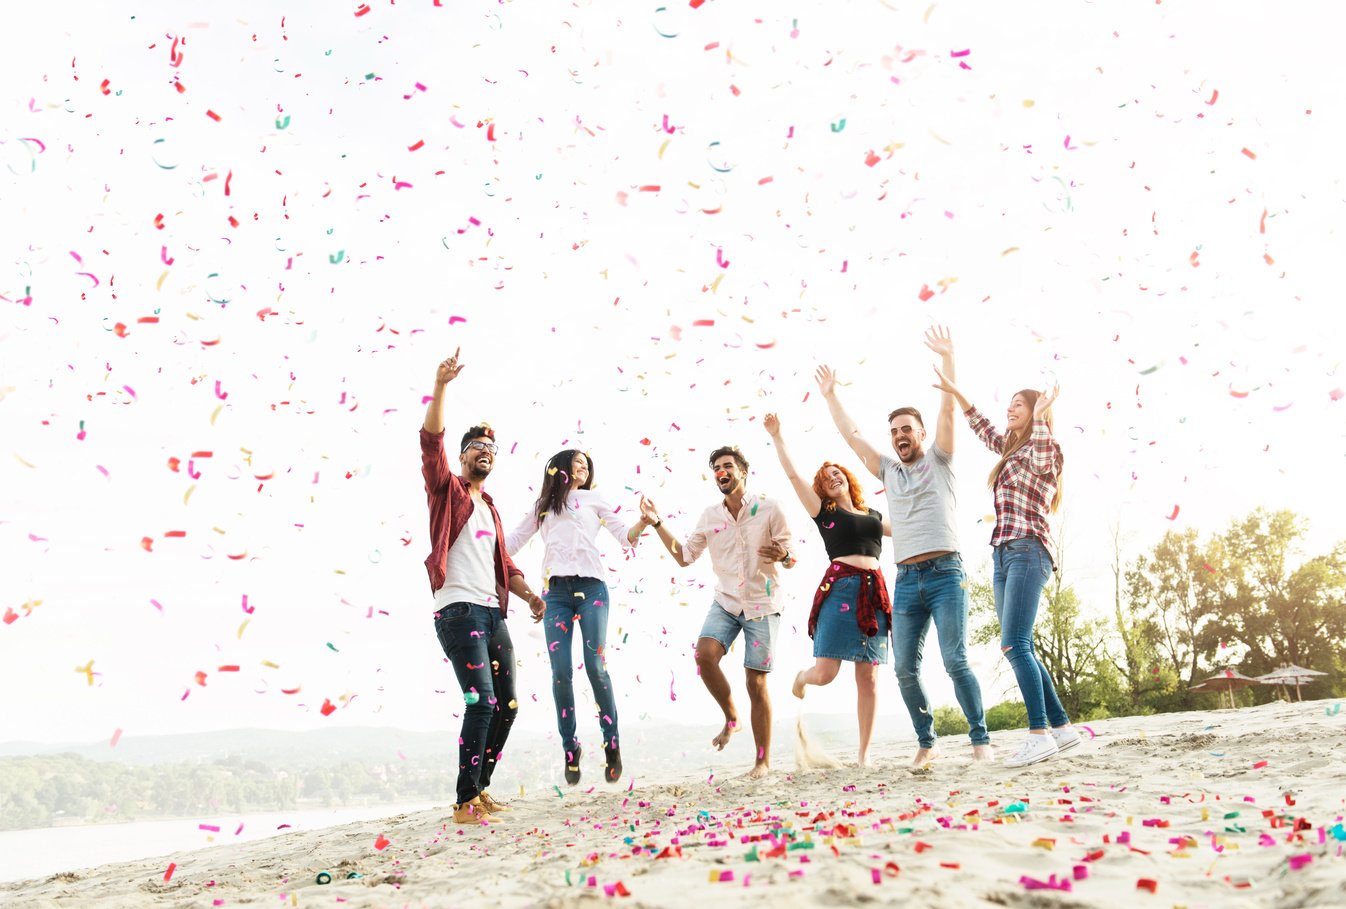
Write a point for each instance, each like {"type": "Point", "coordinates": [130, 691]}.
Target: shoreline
{"type": "Point", "coordinates": [1198, 808]}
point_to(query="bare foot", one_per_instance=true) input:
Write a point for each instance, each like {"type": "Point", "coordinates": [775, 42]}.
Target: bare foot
{"type": "Point", "coordinates": [759, 771]}
{"type": "Point", "coordinates": [924, 757]}
{"type": "Point", "coordinates": [983, 753]}
{"type": "Point", "coordinates": [798, 688]}
{"type": "Point", "coordinates": [730, 727]}
{"type": "Point", "coordinates": [863, 761]}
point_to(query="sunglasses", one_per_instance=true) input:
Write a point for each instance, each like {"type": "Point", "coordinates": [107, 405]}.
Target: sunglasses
{"type": "Point", "coordinates": [482, 446]}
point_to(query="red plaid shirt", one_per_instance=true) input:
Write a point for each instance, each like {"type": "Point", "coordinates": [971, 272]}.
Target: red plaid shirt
{"type": "Point", "coordinates": [1026, 485]}
{"type": "Point", "coordinates": [451, 505]}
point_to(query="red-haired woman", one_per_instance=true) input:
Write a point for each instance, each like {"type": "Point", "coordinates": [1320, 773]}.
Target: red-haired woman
{"type": "Point", "coordinates": [851, 611]}
{"type": "Point", "coordinates": [1026, 485]}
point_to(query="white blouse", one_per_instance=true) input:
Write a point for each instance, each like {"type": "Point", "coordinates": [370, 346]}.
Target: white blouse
{"type": "Point", "coordinates": [571, 537]}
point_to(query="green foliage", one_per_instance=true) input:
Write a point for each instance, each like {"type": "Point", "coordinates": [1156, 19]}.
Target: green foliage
{"type": "Point", "coordinates": [950, 721]}
{"type": "Point", "coordinates": [1007, 715]}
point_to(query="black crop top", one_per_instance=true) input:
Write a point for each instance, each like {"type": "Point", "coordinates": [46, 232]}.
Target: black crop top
{"type": "Point", "coordinates": [847, 534]}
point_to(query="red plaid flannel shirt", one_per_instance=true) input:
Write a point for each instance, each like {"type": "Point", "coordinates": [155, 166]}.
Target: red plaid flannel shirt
{"type": "Point", "coordinates": [451, 506]}
{"type": "Point", "coordinates": [1026, 485]}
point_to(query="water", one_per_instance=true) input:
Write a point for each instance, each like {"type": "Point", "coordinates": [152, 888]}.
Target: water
{"type": "Point", "coordinates": [39, 853]}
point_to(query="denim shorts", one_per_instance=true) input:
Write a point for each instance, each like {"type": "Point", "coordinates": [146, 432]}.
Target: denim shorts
{"type": "Point", "coordinates": [759, 635]}
{"type": "Point", "coordinates": [838, 635]}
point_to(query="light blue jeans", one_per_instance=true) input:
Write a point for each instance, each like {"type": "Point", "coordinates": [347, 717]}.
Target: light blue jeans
{"type": "Point", "coordinates": [1022, 568]}
{"type": "Point", "coordinates": [582, 602]}
{"type": "Point", "coordinates": [934, 591]}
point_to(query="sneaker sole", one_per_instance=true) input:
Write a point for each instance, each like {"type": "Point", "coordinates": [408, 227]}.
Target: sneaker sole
{"type": "Point", "coordinates": [1036, 760]}
{"type": "Point", "coordinates": [1067, 745]}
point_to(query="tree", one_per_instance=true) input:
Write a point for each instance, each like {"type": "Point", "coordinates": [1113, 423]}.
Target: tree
{"type": "Point", "coordinates": [1173, 588]}
{"type": "Point", "coordinates": [1278, 612]}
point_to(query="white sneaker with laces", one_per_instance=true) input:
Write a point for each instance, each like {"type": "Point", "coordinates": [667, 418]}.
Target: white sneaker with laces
{"type": "Point", "coordinates": [1036, 748]}
{"type": "Point", "coordinates": [1066, 738]}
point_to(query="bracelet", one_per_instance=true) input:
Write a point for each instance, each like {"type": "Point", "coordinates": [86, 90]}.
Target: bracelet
{"type": "Point", "coordinates": [657, 523]}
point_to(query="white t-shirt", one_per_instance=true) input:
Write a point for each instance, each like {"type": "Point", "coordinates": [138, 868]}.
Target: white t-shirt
{"type": "Point", "coordinates": [469, 575]}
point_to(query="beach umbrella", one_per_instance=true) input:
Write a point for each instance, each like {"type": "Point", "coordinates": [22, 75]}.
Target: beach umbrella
{"type": "Point", "coordinates": [1227, 680]}
{"type": "Point", "coordinates": [1290, 675]}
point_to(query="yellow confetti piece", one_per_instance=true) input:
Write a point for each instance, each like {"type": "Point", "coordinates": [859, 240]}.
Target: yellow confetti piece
{"type": "Point", "coordinates": [241, 627]}
{"type": "Point", "coordinates": [270, 665]}
{"type": "Point", "coordinates": [1028, 102]}
{"type": "Point", "coordinates": [926, 17]}
{"type": "Point", "coordinates": [662, 147]}
{"type": "Point", "coordinates": [20, 459]}
{"type": "Point", "coordinates": [715, 285]}
{"type": "Point", "coordinates": [1006, 252]}
{"type": "Point", "coordinates": [939, 137]}
{"type": "Point", "coordinates": [216, 414]}
{"type": "Point", "coordinates": [159, 285]}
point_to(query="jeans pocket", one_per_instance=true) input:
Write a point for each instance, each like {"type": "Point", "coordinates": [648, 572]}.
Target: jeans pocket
{"type": "Point", "coordinates": [455, 611]}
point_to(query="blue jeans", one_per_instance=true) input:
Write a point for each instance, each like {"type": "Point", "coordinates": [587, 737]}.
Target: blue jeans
{"type": "Point", "coordinates": [1021, 571]}
{"type": "Point", "coordinates": [476, 641]}
{"type": "Point", "coordinates": [934, 590]}
{"type": "Point", "coordinates": [571, 602]}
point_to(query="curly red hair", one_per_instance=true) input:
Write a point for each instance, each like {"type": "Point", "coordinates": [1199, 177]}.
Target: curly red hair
{"type": "Point", "coordinates": [857, 496]}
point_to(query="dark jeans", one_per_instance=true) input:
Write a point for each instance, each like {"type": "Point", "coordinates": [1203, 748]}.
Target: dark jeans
{"type": "Point", "coordinates": [477, 643]}
{"type": "Point", "coordinates": [575, 602]}
{"type": "Point", "coordinates": [1022, 568]}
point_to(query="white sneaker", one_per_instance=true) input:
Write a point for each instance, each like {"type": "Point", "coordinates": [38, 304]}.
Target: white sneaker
{"type": "Point", "coordinates": [1036, 748]}
{"type": "Point", "coordinates": [1066, 738]}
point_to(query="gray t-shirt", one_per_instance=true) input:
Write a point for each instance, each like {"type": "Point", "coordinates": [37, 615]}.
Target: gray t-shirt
{"type": "Point", "coordinates": [922, 504]}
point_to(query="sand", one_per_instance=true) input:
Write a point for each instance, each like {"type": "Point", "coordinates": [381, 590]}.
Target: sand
{"type": "Point", "coordinates": [1216, 808]}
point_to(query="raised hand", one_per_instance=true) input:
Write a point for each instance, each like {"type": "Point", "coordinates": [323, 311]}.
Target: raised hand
{"type": "Point", "coordinates": [1045, 400]}
{"type": "Point", "coordinates": [945, 384]}
{"type": "Point", "coordinates": [449, 369]}
{"type": "Point", "coordinates": [771, 423]}
{"type": "Point", "coordinates": [938, 339]}
{"type": "Point", "coordinates": [648, 511]}
{"type": "Point", "coordinates": [827, 380]}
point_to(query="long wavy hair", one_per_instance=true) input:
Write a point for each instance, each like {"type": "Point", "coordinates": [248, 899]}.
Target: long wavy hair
{"type": "Point", "coordinates": [857, 496]}
{"type": "Point", "coordinates": [556, 482]}
{"type": "Point", "coordinates": [1021, 437]}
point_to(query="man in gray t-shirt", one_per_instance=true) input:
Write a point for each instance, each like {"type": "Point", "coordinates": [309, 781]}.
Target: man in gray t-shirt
{"type": "Point", "coordinates": [930, 585]}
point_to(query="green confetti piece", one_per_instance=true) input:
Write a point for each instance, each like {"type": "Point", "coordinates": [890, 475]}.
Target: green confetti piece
{"type": "Point", "coordinates": [283, 121]}
{"type": "Point", "coordinates": [331, 648]}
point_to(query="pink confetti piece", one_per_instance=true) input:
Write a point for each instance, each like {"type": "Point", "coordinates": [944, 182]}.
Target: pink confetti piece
{"type": "Point", "coordinates": [209, 828]}
{"type": "Point", "coordinates": [116, 737]}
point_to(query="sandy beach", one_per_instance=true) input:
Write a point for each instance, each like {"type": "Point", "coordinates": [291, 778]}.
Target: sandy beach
{"type": "Point", "coordinates": [1217, 808]}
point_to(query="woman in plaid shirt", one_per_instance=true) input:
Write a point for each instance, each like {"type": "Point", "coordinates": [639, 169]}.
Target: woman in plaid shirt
{"type": "Point", "coordinates": [1026, 483]}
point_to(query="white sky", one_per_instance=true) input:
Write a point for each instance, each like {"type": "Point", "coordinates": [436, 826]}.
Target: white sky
{"type": "Point", "coordinates": [1052, 196]}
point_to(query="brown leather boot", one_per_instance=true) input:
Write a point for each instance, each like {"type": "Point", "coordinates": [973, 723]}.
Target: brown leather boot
{"type": "Point", "coordinates": [491, 805]}
{"type": "Point", "coordinates": [473, 812]}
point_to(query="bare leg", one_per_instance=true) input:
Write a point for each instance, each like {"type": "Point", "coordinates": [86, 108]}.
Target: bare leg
{"type": "Point", "coordinates": [709, 652]}
{"type": "Point", "coordinates": [821, 672]}
{"type": "Point", "coordinates": [866, 705]}
{"type": "Point", "coordinates": [760, 699]}
{"type": "Point", "coordinates": [983, 753]}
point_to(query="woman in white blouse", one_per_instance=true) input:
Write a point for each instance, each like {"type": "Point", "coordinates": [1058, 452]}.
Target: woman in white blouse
{"type": "Point", "coordinates": [569, 514]}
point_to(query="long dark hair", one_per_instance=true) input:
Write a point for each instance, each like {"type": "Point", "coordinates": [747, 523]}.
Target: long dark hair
{"type": "Point", "coordinates": [1021, 437]}
{"type": "Point", "coordinates": [556, 482]}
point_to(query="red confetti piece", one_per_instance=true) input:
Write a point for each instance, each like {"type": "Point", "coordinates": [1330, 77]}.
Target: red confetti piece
{"type": "Point", "coordinates": [1146, 884]}
{"type": "Point", "coordinates": [926, 293]}
{"type": "Point", "coordinates": [1174, 516]}
{"type": "Point", "coordinates": [364, 8]}
{"type": "Point", "coordinates": [871, 159]}
{"type": "Point", "coordinates": [212, 115]}
{"type": "Point", "coordinates": [1259, 765]}
{"type": "Point", "coordinates": [382, 842]}
{"type": "Point", "coordinates": [1215, 93]}
{"type": "Point", "coordinates": [1250, 154]}
{"type": "Point", "coordinates": [420, 143]}
{"type": "Point", "coordinates": [172, 866]}
{"type": "Point", "coordinates": [328, 708]}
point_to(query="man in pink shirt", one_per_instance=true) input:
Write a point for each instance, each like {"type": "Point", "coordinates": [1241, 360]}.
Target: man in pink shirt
{"type": "Point", "coordinates": [471, 576]}
{"type": "Point", "coordinates": [746, 538]}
